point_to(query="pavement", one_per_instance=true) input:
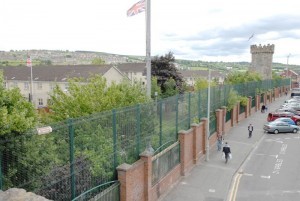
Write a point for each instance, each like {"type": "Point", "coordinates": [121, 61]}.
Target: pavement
{"type": "Point", "coordinates": [212, 179]}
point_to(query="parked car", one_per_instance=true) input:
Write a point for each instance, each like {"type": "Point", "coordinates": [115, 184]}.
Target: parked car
{"type": "Point", "coordinates": [280, 127]}
{"type": "Point", "coordinates": [286, 120]}
{"type": "Point", "coordinates": [275, 115]}
{"type": "Point", "coordinates": [295, 112]}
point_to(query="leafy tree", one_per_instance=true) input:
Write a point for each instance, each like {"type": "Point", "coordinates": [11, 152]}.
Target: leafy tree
{"type": "Point", "coordinates": [240, 77]}
{"type": "Point", "coordinates": [155, 88]}
{"type": "Point", "coordinates": [92, 96]}
{"type": "Point", "coordinates": [163, 69]}
{"type": "Point", "coordinates": [233, 99]}
{"type": "Point", "coordinates": [202, 83]}
{"type": "Point", "coordinates": [98, 61]}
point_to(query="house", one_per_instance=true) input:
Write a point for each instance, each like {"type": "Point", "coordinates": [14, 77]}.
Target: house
{"type": "Point", "coordinates": [295, 77]}
{"type": "Point", "coordinates": [45, 78]}
{"type": "Point", "coordinates": [190, 76]}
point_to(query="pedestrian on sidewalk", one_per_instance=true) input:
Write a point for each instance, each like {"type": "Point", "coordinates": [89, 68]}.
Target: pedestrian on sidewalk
{"type": "Point", "coordinates": [219, 141]}
{"type": "Point", "coordinates": [226, 151]}
{"type": "Point", "coordinates": [250, 129]}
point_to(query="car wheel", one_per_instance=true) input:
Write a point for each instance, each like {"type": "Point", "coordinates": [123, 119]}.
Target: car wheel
{"type": "Point", "coordinates": [276, 131]}
{"type": "Point", "coordinates": [295, 130]}
{"type": "Point", "coordinates": [298, 123]}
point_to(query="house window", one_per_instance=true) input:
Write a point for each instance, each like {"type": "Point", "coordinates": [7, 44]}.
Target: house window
{"type": "Point", "coordinates": [15, 84]}
{"type": "Point", "coordinates": [26, 86]}
{"type": "Point", "coordinates": [51, 86]}
{"type": "Point", "coordinates": [41, 101]}
{"type": "Point", "coordinates": [40, 85]}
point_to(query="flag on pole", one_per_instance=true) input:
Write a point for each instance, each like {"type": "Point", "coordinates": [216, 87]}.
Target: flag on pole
{"type": "Point", "coordinates": [137, 8]}
{"type": "Point", "coordinates": [28, 62]}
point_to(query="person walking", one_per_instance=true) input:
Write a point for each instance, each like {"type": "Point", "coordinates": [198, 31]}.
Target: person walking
{"type": "Point", "coordinates": [219, 141]}
{"type": "Point", "coordinates": [226, 151]}
{"type": "Point", "coordinates": [250, 129]}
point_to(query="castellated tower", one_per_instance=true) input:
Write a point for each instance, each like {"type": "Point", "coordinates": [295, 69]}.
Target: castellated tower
{"type": "Point", "coordinates": [262, 59]}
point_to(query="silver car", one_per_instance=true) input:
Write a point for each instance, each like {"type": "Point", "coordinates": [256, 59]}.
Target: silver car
{"type": "Point", "coordinates": [280, 127]}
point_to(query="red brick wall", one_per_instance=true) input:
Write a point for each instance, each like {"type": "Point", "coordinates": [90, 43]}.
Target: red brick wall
{"type": "Point", "coordinates": [165, 184]}
{"type": "Point", "coordinates": [132, 181]}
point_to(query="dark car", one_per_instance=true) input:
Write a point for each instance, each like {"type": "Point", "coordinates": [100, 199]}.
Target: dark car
{"type": "Point", "coordinates": [280, 127]}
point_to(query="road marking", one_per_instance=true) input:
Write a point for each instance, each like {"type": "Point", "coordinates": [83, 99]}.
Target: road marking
{"type": "Point", "coordinates": [235, 187]}
{"type": "Point", "coordinates": [275, 156]}
{"type": "Point", "coordinates": [212, 190]}
{"type": "Point", "coordinates": [265, 177]}
{"type": "Point", "coordinates": [247, 174]}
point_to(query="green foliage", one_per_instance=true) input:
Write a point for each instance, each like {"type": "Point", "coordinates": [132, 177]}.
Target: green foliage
{"type": "Point", "coordinates": [243, 100]}
{"type": "Point", "coordinates": [239, 77]}
{"type": "Point", "coordinates": [98, 61]}
{"type": "Point", "coordinates": [155, 88]}
{"type": "Point", "coordinates": [93, 96]}
{"type": "Point", "coordinates": [170, 88]}
{"type": "Point", "coordinates": [16, 113]}
{"type": "Point", "coordinates": [202, 83]}
{"type": "Point", "coordinates": [233, 99]}
{"type": "Point", "coordinates": [164, 70]}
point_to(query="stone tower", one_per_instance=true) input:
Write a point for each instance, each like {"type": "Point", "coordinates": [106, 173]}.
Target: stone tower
{"type": "Point", "coordinates": [262, 59]}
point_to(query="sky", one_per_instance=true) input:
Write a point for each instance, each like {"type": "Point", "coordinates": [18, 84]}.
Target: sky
{"type": "Point", "coordinates": [214, 30]}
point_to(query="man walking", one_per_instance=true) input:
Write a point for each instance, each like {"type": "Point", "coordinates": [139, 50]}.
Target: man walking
{"type": "Point", "coordinates": [227, 151]}
{"type": "Point", "coordinates": [250, 129]}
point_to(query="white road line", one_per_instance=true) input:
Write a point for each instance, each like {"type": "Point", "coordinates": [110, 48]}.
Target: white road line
{"type": "Point", "coordinates": [212, 190]}
{"type": "Point", "coordinates": [265, 177]}
{"type": "Point", "coordinates": [247, 174]}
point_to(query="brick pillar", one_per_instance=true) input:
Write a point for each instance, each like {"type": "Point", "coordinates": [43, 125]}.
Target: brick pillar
{"type": "Point", "coordinates": [249, 105]}
{"type": "Point", "coordinates": [197, 140]}
{"type": "Point", "coordinates": [186, 150]}
{"type": "Point", "coordinates": [204, 121]}
{"type": "Point", "coordinates": [219, 120]}
{"type": "Point", "coordinates": [224, 111]}
{"type": "Point", "coordinates": [257, 103]}
{"type": "Point", "coordinates": [146, 156]}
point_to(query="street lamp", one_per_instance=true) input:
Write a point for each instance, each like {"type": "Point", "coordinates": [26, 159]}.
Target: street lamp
{"type": "Point", "coordinates": [208, 118]}
{"type": "Point", "coordinates": [287, 68]}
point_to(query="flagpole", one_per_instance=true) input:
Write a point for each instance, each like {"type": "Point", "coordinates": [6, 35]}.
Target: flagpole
{"type": "Point", "coordinates": [148, 47]}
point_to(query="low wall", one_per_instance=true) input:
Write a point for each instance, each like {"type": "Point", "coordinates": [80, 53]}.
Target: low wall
{"type": "Point", "coordinates": [135, 180]}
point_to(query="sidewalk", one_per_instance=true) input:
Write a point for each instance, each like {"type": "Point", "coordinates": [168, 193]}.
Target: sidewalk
{"type": "Point", "coordinates": [211, 180]}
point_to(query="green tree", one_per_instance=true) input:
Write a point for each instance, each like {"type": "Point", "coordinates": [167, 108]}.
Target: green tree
{"type": "Point", "coordinates": [202, 83]}
{"type": "Point", "coordinates": [93, 96]}
{"type": "Point", "coordinates": [237, 77]}
{"type": "Point", "coordinates": [98, 61]}
{"type": "Point", "coordinates": [155, 88]}
{"type": "Point", "coordinates": [163, 68]}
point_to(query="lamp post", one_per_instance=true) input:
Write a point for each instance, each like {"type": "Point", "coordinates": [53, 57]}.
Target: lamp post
{"type": "Point", "coordinates": [287, 69]}
{"type": "Point", "coordinates": [208, 118]}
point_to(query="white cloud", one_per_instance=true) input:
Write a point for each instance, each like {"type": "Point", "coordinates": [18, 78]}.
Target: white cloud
{"type": "Point", "coordinates": [214, 30]}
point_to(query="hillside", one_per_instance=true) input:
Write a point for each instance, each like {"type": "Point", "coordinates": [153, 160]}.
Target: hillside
{"type": "Point", "coordinates": [58, 57]}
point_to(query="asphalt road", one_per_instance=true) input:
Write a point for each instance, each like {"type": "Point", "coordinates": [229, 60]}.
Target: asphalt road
{"type": "Point", "coordinates": [271, 172]}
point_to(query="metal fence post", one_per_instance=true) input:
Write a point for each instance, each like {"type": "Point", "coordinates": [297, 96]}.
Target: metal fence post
{"type": "Point", "coordinates": [1, 184]}
{"type": "Point", "coordinates": [114, 124]}
{"type": "Point", "coordinates": [189, 120]}
{"type": "Point", "coordinates": [138, 129]}
{"type": "Point", "coordinates": [71, 144]}
{"type": "Point", "coordinates": [177, 116]}
{"type": "Point", "coordinates": [160, 123]}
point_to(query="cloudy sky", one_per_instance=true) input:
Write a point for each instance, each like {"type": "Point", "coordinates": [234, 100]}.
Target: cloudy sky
{"type": "Point", "coordinates": [214, 30]}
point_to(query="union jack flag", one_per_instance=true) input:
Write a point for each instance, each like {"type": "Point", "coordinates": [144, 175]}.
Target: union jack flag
{"type": "Point", "coordinates": [137, 8]}
{"type": "Point", "coordinates": [28, 62]}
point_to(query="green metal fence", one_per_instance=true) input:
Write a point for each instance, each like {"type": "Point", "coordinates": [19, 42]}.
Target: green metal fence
{"type": "Point", "coordinates": [80, 154]}
{"type": "Point", "coordinates": [109, 191]}
{"type": "Point", "coordinates": [164, 162]}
